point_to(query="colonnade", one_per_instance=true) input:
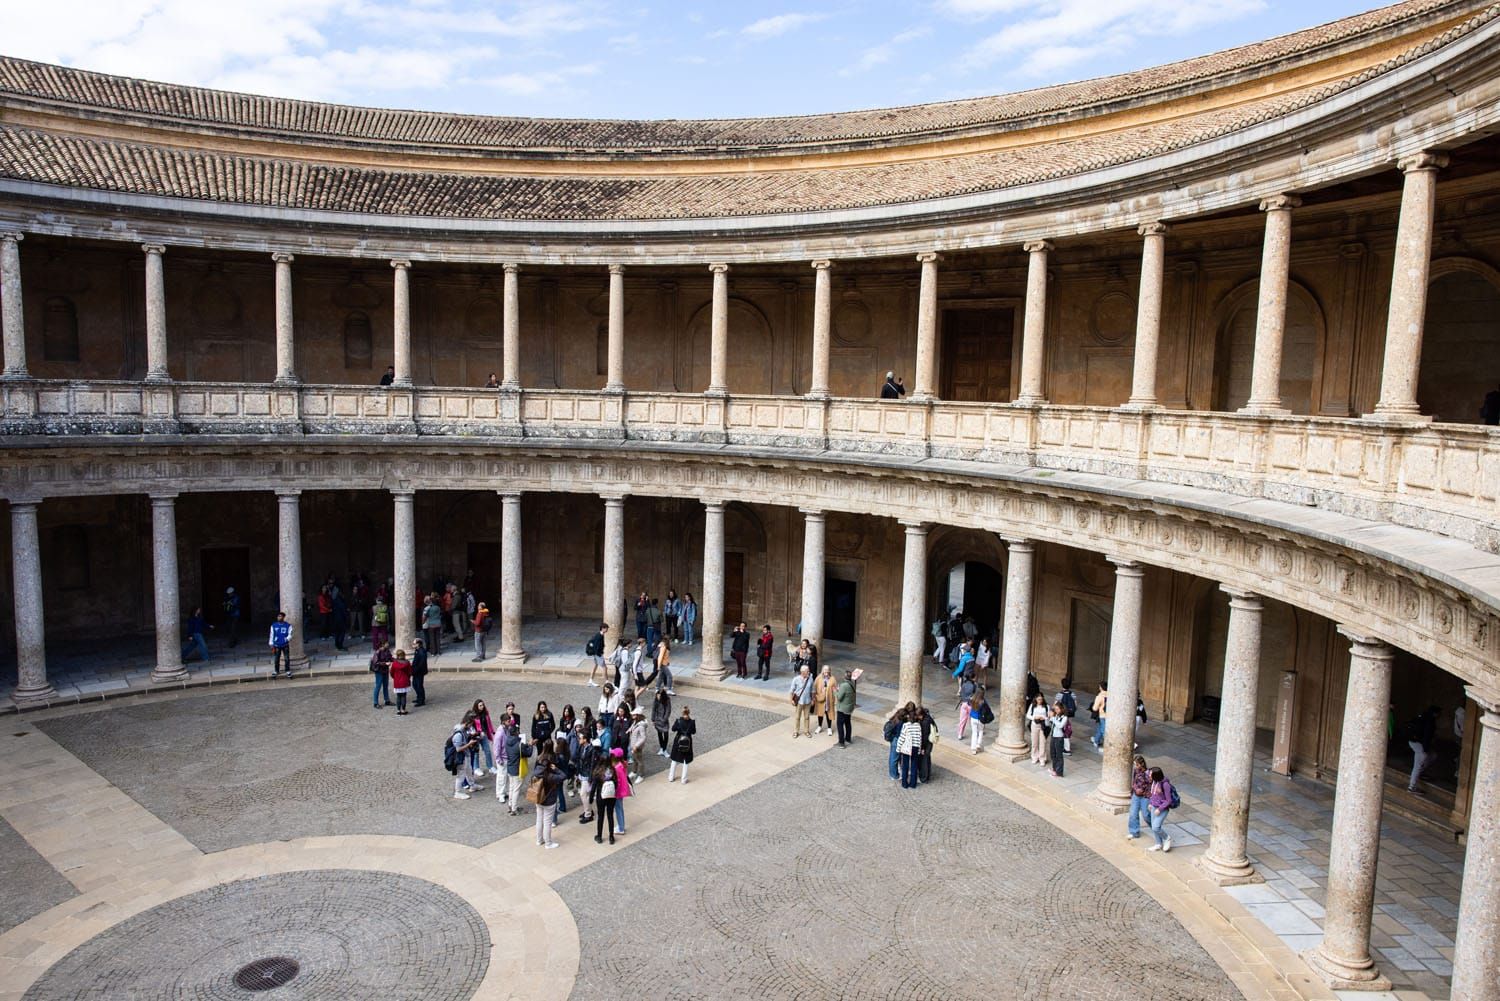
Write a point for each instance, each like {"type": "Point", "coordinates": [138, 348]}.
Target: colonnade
{"type": "Point", "coordinates": [1399, 373]}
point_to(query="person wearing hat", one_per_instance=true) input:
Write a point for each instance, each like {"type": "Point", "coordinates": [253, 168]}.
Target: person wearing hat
{"type": "Point", "coordinates": [232, 616]}
{"type": "Point", "coordinates": [893, 389]}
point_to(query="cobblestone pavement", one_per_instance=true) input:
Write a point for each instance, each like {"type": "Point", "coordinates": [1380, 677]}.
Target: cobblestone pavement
{"type": "Point", "coordinates": [316, 760]}
{"type": "Point", "coordinates": [30, 885]}
{"type": "Point", "coordinates": [828, 881]}
{"type": "Point", "coordinates": [354, 935]}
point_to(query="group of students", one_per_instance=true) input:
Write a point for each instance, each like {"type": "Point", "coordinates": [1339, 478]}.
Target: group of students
{"type": "Point", "coordinates": [599, 759]}
{"type": "Point", "coordinates": [627, 664]}
{"type": "Point", "coordinates": [911, 733]}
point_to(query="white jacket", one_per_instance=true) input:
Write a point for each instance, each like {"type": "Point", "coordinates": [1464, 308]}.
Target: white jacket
{"type": "Point", "coordinates": [910, 740]}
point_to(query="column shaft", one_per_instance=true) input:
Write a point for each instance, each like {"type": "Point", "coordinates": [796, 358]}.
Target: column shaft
{"type": "Point", "coordinates": [913, 614]}
{"type": "Point", "coordinates": [1226, 860]}
{"type": "Point", "coordinates": [814, 555]}
{"type": "Point", "coordinates": [1408, 310]}
{"type": "Point", "coordinates": [1015, 648]}
{"type": "Point", "coordinates": [156, 315]}
{"type": "Point", "coordinates": [614, 567]}
{"type": "Point", "coordinates": [32, 685]}
{"type": "Point", "coordinates": [1034, 328]}
{"type": "Point", "coordinates": [1476, 953]}
{"type": "Point", "coordinates": [822, 328]}
{"type": "Point", "coordinates": [401, 328]}
{"type": "Point", "coordinates": [12, 318]}
{"type": "Point", "coordinates": [711, 626]}
{"type": "Point", "coordinates": [165, 585]}
{"type": "Point", "coordinates": [615, 380]}
{"type": "Point", "coordinates": [1124, 683]}
{"type": "Point", "coordinates": [286, 358]}
{"type": "Point", "coordinates": [1343, 957]}
{"type": "Point", "coordinates": [926, 374]}
{"type": "Point", "coordinates": [511, 322]}
{"type": "Point", "coordinates": [1270, 310]}
{"type": "Point", "coordinates": [1148, 316]}
{"type": "Point", "coordinates": [404, 572]}
{"type": "Point", "coordinates": [289, 557]}
{"type": "Point", "coordinates": [511, 589]}
{"type": "Point", "coordinates": [718, 353]}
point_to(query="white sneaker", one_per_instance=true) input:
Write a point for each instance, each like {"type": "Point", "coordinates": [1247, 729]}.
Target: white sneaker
{"type": "Point", "coordinates": [1168, 846]}
{"type": "Point", "coordinates": [593, 684]}
{"type": "Point", "coordinates": [1154, 848]}
{"type": "Point", "coordinates": [820, 729]}
{"type": "Point", "coordinates": [684, 780]}
{"type": "Point", "coordinates": [550, 844]}
{"type": "Point", "coordinates": [460, 795]}
{"type": "Point", "coordinates": [479, 773]}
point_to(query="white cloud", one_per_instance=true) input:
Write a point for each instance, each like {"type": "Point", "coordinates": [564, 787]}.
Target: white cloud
{"type": "Point", "coordinates": [530, 84]}
{"type": "Point", "coordinates": [879, 54]}
{"type": "Point", "coordinates": [771, 27]}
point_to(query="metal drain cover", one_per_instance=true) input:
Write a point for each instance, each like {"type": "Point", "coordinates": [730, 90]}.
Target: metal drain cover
{"type": "Point", "coordinates": [267, 974]}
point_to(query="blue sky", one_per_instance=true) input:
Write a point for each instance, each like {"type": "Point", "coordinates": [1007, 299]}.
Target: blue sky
{"type": "Point", "coordinates": [596, 58]}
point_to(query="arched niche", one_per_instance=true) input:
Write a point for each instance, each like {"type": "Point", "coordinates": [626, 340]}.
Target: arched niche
{"type": "Point", "coordinates": [359, 348]}
{"type": "Point", "coordinates": [750, 367]}
{"type": "Point", "coordinates": [1301, 348]}
{"type": "Point", "coordinates": [1460, 343]}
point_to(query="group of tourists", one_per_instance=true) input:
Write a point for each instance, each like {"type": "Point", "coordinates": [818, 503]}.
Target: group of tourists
{"type": "Point", "coordinates": [676, 618]}
{"type": "Point", "coordinates": [630, 665]}
{"type": "Point", "coordinates": [831, 702]}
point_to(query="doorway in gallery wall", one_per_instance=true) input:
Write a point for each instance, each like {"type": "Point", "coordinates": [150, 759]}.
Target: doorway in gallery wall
{"type": "Point", "coordinates": [840, 609]}
{"type": "Point", "coordinates": [977, 347]}
{"type": "Point", "coordinates": [1088, 643]}
{"type": "Point", "coordinates": [220, 568]}
{"type": "Point", "coordinates": [484, 561]}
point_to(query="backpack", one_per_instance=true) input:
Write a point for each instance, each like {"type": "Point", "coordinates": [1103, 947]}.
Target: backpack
{"type": "Point", "coordinates": [451, 758]}
{"type": "Point", "coordinates": [382, 616]}
{"type": "Point", "coordinates": [1070, 704]}
{"type": "Point", "coordinates": [892, 728]}
{"type": "Point", "coordinates": [986, 714]}
{"type": "Point", "coordinates": [1176, 799]}
{"type": "Point", "coordinates": [489, 622]}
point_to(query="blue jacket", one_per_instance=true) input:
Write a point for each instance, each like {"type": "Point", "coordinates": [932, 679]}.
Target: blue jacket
{"type": "Point", "coordinates": [281, 634]}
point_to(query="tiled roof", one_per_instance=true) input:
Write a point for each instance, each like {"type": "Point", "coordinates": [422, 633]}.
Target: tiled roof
{"type": "Point", "coordinates": [167, 104]}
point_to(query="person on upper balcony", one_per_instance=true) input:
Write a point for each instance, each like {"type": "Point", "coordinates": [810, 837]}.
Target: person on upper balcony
{"type": "Point", "coordinates": [492, 382]}
{"type": "Point", "coordinates": [389, 377]}
{"type": "Point", "coordinates": [1489, 411]}
{"type": "Point", "coordinates": [893, 389]}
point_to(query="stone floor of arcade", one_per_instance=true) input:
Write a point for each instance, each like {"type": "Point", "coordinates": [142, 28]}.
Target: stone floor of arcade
{"type": "Point", "coordinates": [133, 819]}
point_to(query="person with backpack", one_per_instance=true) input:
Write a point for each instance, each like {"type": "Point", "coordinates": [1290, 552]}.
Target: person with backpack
{"type": "Point", "coordinates": [281, 645]}
{"type": "Point", "coordinates": [380, 667]}
{"type": "Point", "coordinates": [485, 726]}
{"type": "Point", "coordinates": [400, 680]}
{"type": "Point", "coordinates": [483, 623]}
{"type": "Point", "coordinates": [546, 780]}
{"type": "Point", "coordinates": [595, 649]}
{"type": "Point", "coordinates": [1061, 727]}
{"type": "Point", "coordinates": [456, 760]}
{"type": "Point", "coordinates": [1163, 799]}
{"type": "Point", "coordinates": [653, 623]}
{"type": "Point", "coordinates": [601, 803]}
{"type": "Point", "coordinates": [683, 732]}
{"type": "Point", "coordinates": [380, 622]}
{"type": "Point", "coordinates": [419, 672]}
{"type": "Point", "coordinates": [1140, 798]}
{"type": "Point", "coordinates": [940, 637]}
{"type": "Point", "coordinates": [1070, 708]}
{"type": "Point", "coordinates": [980, 716]}
{"type": "Point", "coordinates": [892, 734]}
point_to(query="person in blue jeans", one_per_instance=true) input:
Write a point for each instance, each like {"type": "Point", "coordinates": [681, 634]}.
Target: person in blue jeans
{"type": "Point", "coordinates": [892, 733]}
{"type": "Point", "coordinates": [380, 666]}
{"type": "Point", "coordinates": [1140, 798]}
{"type": "Point", "coordinates": [1162, 799]}
{"type": "Point", "coordinates": [281, 645]}
{"type": "Point", "coordinates": [1101, 707]}
{"type": "Point", "coordinates": [909, 747]}
{"type": "Point", "coordinates": [195, 629]}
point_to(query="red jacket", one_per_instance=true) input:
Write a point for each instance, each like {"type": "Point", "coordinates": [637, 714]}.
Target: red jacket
{"type": "Point", "coordinates": [765, 644]}
{"type": "Point", "coordinates": [400, 674]}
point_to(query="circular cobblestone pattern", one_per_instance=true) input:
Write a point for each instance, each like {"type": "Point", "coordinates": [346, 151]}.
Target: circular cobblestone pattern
{"type": "Point", "coordinates": [352, 935]}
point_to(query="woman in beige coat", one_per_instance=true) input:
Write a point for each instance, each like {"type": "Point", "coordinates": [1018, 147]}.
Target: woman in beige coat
{"type": "Point", "coordinates": [823, 699]}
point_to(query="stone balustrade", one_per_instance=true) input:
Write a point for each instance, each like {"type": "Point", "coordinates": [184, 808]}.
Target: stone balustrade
{"type": "Point", "coordinates": [1442, 478]}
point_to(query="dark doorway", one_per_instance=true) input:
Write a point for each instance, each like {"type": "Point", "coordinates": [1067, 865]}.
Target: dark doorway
{"type": "Point", "coordinates": [982, 586]}
{"type": "Point", "coordinates": [220, 569]}
{"type": "Point", "coordinates": [734, 587]}
{"type": "Point", "coordinates": [1088, 645]}
{"type": "Point", "coordinates": [484, 560]}
{"type": "Point", "coordinates": [839, 610]}
{"type": "Point", "coordinates": [976, 354]}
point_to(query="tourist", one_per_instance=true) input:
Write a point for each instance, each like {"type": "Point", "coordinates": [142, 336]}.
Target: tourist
{"type": "Point", "coordinates": [492, 382]}
{"type": "Point", "coordinates": [802, 697]}
{"type": "Point", "coordinates": [1419, 733]}
{"type": "Point", "coordinates": [340, 614]}
{"type": "Point", "coordinates": [1163, 799]}
{"type": "Point", "coordinates": [982, 658]}
{"type": "Point", "coordinates": [380, 622]}
{"type": "Point", "coordinates": [462, 743]}
{"type": "Point", "coordinates": [1100, 711]}
{"type": "Point", "coordinates": [547, 779]}
{"type": "Point", "coordinates": [482, 625]}
{"type": "Point", "coordinates": [390, 376]}
{"type": "Point", "coordinates": [661, 718]}
{"type": "Point", "coordinates": [325, 612]}
{"type": "Point", "coordinates": [458, 611]}
{"type": "Point", "coordinates": [622, 786]}
{"type": "Point", "coordinates": [966, 689]}
{"type": "Point", "coordinates": [940, 636]}
{"type": "Point", "coordinates": [359, 607]}
{"type": "Point", "coordinates": [587, 757]}
{"type": "Point", "coordinates": [601, 801]}
{"type": "Point", "coordinates": [232, 616]}
{"type": "Point", "coordinates": [485, 727]}
{"type": "Point", "coordinates": [564, 764]}
{"type": "Point", "coordinates": [1489, 408]}
{"type": "Point", "coordinates": [566, 722]}
{"type": "Point", "coordinates": [1036, 718]}
{"type": "Point", "coordinates": [635, 744]}
{"type": "Point", "coordinates": [432, 625]}
{"type": "Point", "coordinates": [764, 644]}
{"type": "Point", "coordinates": [542, 725]}
{"type": "Point", "coordinates": [682, 745]}
{"type": "Point", "coordinates": [1070, 706]}
{"type": "Point", "coordinates": [1140, 798]}
{"type": "Point", "coordinates": [195, 641]}
{"type": "Point", "coordinates": [965, 659]}
{"type": "Point", "coordinates": [894, 388]}
{"type": "Point", "coordinates": [516, 750]}
{"type": "Point", "coordinates": [654, 621]}
{"type": "Point", "coordinates": [400, 675]}
{"type": "Point", "coordinates": [843, 704]}
{"type": "Point", "coordinates": [690, 619]}
{"type": "Point", "coordinates": [670, 614]}
{"type": "Point", "coordinates": [1059, 729]}
{"type": "Point", "coordinates": [929, 730]}
{"type": "Point", "coordinates": [642, 613]}
{"type": "Point", "coordinates": [618, 660]}
{"type": "Point", "coordinates": [823, 698]}
{"type": "Point", "coordinates": [419, 672]}
{"type": "Point", "coordinates": [595, 649]}
{"type": "Point", "coordinates": [892, 734]}
{"type": "Point", "coordinates": [609, 701]}
{"type": "Point", "coordinates": [980, 716]}
{"type": "Point", "coordinates": [739, 649]}
{"type": "Point", "coordinates": [909, 749]}
{"type": "Point", "coordinates": [664, 664]}
{"type": "Point", "coordinates": [281, 645]}
{"type": "Point", "coordinates": [807, 653]}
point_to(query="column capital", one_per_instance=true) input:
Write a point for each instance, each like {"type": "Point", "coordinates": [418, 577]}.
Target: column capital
{"type": "Point", "coordinates": [719, 267]}
{"type": "Point", "coordinates": [154, 248]}
{"type": "Point", "coordinates": [1018, 545]}
{"type": "Point", "coordinates": [509, 495]}
{"type": "Point", "coordinates": [511, 268]}
{"type": "Point", "coordinates": [1152, 229]}
{"type": "Point", "coordinates": [1487, 699]}
{"type": "Point", "coordinates": [812, 513]}
{"type": "Point", "coordinates": [288, 494]}
{"type": "Point", "coordinates": [927, 257]}
{"type": "Point", "coordinates": [405, 494]}
{"type": "Point", "coordinates": [916, 527]}
{"type": "Point", "coordinates": [617, 269]}
{"type": "Point", "coordinates": [163, 498]}
{"type": "Point", "coordinates": [1037, 246]}
{"type": "Point", "coordinates": [1241, 598]}
{"type": "Point", "coordinates": [1367, 646]}
{"type": "Point", "coordinates": [24, 504]}
{"type": "Point", "coordinates": [1280, 203]}
{"type": "Point", "coordinates": [613, 498]}
{"type": "Point", "coordinates": [822, 265]}
{"type": "Point", "coordinates": [12, 236]}
{"type": "Point", "coordinates": [283, 258]}
{"type": "Point", "coordinates": [715, 505]}
{"type": "Point", "coordinates": [401, 264]}
{"type": "Point", "coordinates": [1125, 567]}
{"type": "Point", "coordinates": [1424, 160]}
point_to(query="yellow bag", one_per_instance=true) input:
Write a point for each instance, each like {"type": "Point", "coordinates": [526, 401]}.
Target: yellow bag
{"type": "Point", "coordinates": [524, 769]}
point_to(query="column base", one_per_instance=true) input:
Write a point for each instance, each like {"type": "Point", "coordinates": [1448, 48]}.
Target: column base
{"type": "Point", "coordinates": [1141, 405]}
{"type": "Point", "coordinates": [301, 662]}
{"type": "Point", "coordinates": [1229, 873]}
{"type": "Point", "coordinates": [34, 697]}
{"type": "Point", "coordinates": [921, 398]}
{"type": "Point", "coordinates": [817, 394]}
{"type": "Point", "coordinates": [157, 378]}
{"type": "Point", "coordinates": [287, 382]}
{"type": "Point", "coordinates": [614, 387]}
{"type": "Point", "coordinates": [1030, 400]}
{"type": "Point", "coordinates": [1342, 977]}
{"type": "Point", "coordinates": [1397, 415]}
{"type": "Point", "coordinates": [1111, 802]}
{"type": "Point", "coordinates": [512, 658]}
{"type": "Point", "coordinates": [1011, 752]}
{"type": "Point", "coordinates": [510, 387]}
{"type": "Point", "coordinates": [168, 674]}
{"type": "Point", "coordinates": [15, 375]}
{"type": "Point", "coordinates": [716, 391]}
{"type": "Point", "coordinates": [713, 672]}
{"type": "Point", "coordinates": [1264, 410]}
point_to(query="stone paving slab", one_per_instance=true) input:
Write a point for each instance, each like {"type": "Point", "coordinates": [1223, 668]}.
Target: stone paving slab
{"type": "Point", "coordinates": [30, 884]}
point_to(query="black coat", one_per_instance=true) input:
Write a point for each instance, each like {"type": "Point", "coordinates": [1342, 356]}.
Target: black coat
{"type": "Point", "coordinates": [682, 740]}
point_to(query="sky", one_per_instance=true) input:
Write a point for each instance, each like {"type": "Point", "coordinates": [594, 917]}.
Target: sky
{"type": "Point", "coordinates": [604, 59]}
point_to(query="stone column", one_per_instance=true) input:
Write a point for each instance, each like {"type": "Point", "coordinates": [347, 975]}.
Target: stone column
{"type": "Point", "coordinates": [511, 591]}
{"type": "Point", "coordinates": [1124, 682]}
{"type": "Point", "coordinates": [32, 685]}
{"type": "Point", "coordinates": [1034, 328]}
{"type": "Point", "coordinates": [1403, 327]}
{"type": "Point", "coordinates": [289, 561]}
{"type": "Point", "coordinates": [510, 367]}
{"type": "Point", "coordinates": [1343, 957]}
{"type": "Point", "coordinates": [1270, 310]}
{"type": "Point", "coordinates": [286, 358]}
{"type": "Point", "coordinates": [615, 381]}
{"type": "Point", "coordinates": [913, 614]}
{"type": "Point", "coordinates": [925, 377]}
{"type": "Point", "coordinates": [1015, 649]}
{"type": "Point", "coordinates": [404, 571]}
{"type": "Point", "coordinates": [12, 319]}
{"type": "Point", "coordinates": [1476, 953]}
{"type": "Point", "coordinates": [814, 555]}
{"type": "Point", "coordinates": [156, 315]}
{"type": "Point", "coordinates": [165, 586]}
{"type": "Point", "coordinates": [401, 308]}
{"type": "Point", "coordinates": [1226, 860]}
{"type": "Point", "coordinates": [718, 354]}
{"type": "Point", "coordinates": [614, 567]}
{"type": "Point", "coordinates": [822, 329]}
{"type": "Point", "coordinates": [711, 622]}
{"type": "Point", "coordinates": [1148, 317]}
